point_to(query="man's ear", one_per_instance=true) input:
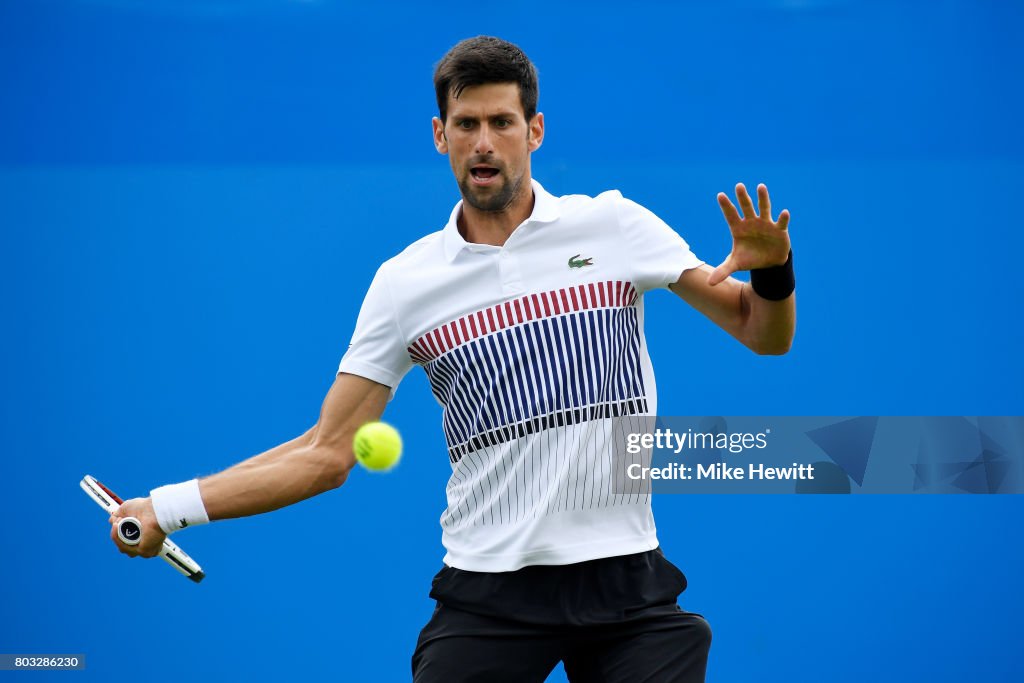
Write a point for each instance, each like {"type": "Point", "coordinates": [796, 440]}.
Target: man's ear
{"type": "Point", "coordinates": [536, 132]}
{"type": "Point", "coordinates": [440, 141]}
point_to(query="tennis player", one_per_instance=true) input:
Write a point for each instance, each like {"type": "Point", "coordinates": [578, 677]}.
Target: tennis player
{"type": "Point", "coordinates": [526, 313]}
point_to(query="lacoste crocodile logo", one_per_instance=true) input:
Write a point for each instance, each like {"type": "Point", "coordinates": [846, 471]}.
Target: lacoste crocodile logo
{"type": "Point", "coordinates": [577, 262]}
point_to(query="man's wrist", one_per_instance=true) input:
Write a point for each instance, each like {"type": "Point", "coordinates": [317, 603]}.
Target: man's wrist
{"type": "Point", "coordinates": [177, 506]}
{"type": "Point", "coordinates": [775, 283]}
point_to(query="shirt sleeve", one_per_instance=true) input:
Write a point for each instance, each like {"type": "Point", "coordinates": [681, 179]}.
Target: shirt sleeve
{"type": "Point", "coordinates": [378, 350]}
{"type": "Point", "coordinates": [658, 255]}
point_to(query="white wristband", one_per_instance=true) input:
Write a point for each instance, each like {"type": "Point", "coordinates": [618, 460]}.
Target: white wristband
{"type": "Point", "coordinates": [178, 506]}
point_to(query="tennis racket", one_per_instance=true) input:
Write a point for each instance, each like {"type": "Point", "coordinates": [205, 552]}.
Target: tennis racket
{"type": "Point", "coordinates": [129, 530]}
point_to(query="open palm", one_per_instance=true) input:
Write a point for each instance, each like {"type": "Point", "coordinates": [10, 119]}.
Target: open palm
{"type": "Point", "coordinates": [757, 240]}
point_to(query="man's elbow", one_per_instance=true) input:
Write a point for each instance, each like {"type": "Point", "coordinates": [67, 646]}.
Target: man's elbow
{"type": "Point", "coordinates": [334, 466]}
{"type": "Point", "coordinates": [338, 472]}
{"type": "Point", "coordinates": [771, 347]}
{"type": "Point", "coordinates": [781, 350]}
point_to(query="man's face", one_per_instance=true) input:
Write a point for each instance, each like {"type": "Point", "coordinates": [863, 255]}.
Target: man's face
{"type": "Point", "coordinates": [488, 142]}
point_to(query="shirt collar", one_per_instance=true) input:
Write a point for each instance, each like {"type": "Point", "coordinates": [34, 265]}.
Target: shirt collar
{"type": "Point", "coordinates": [545, 210]}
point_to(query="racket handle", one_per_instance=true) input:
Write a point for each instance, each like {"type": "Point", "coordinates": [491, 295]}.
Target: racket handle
{"type": "Point", "coordinates": [129, 530]}
{"type": "Point", "coordinates": [179, 559]}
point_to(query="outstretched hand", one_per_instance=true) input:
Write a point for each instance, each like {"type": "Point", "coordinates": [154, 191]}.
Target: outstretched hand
{"type": "Point", "coordinates": [757, 240]}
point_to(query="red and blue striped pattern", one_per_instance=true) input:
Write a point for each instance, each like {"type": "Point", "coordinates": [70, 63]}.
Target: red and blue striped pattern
{"type": "Point", "coordinates": [589, 296]}
{"type": "Point", "coordinates": [541, 361]}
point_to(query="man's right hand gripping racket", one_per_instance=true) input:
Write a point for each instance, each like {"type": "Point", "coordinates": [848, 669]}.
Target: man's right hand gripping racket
{"type": "Point", "coordinates": [129, 530]}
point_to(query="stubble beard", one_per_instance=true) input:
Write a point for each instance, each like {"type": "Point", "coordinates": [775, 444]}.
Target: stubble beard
{"type": "Point", "coordinates": [492, 203]}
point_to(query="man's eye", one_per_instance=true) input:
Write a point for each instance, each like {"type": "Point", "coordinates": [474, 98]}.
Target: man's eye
{"type": "Point", "coordinates": [465, 125]}
{"type": "Point", "coordinates": [503, 123]}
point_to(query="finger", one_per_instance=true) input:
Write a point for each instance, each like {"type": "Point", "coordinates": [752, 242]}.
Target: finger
{"type": "Point", "coordinates": [745, 203]}
{"type": "Point", "coordinates": [728, 210]}
{"type": "Point", "coordinates": [130, 551]}
{"type": "Point", "coordinates": [117, 541]}
{"type": "Point", "coordinates": [764, 204]}
{"type": "Point", "coordinates": [724, 270]}
{"type": "Point", "coordinates": [146, 548]}
{"type": "Point", "coordinates": [783, 220]}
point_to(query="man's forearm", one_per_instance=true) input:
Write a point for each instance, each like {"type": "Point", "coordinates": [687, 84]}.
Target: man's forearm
{"type": "Point", "coordinates": [769, 326]}
{"type": "Point", "coordinates": [317, 461]}
{"type": "Point", "coordinates": [295, 470]}
{"type": "Point", "coordinates": [759, 324]}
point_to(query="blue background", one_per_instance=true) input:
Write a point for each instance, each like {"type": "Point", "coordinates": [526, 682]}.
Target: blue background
{"type": "Point", "coordinates": [195, 195]}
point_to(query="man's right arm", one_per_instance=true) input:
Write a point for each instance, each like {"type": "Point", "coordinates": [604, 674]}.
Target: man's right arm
{"type": "Point", "coordinates": [317, 461]}
{"type": "Point", "coordinates": [313, 463]}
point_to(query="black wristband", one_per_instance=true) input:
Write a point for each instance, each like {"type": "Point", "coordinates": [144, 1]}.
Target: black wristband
{"type": "Point", "coordinates": [775, 283]}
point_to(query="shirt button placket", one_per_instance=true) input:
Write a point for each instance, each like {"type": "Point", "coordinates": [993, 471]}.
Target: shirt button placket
{"type": "Point", "coordinates": [511, 277]}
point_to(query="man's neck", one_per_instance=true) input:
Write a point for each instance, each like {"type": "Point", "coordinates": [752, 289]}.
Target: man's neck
{"type": "Point", "coordinates": [495, 227]}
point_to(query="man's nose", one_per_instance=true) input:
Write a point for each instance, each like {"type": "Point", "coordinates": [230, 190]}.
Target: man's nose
{"type": "Point", "coordinates": [484, 144]}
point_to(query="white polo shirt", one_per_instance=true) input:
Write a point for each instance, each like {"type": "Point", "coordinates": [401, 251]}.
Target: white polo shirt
{"type": "Point", "coordinates": [531, 349]}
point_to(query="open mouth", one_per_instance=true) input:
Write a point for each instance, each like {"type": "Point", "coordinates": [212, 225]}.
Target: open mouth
{"type": "Point", "coordinates": [483, 175]}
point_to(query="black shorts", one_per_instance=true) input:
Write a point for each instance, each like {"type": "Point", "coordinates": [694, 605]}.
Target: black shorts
{"type": "Point", "coordinates": [609, 620]}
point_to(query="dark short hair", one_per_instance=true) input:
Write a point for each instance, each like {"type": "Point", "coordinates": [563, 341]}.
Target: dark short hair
{"type": "Point", "coordinates": [482, 60]}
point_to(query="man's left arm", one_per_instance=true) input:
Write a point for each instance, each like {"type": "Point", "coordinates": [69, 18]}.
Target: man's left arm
{"type": "Point", "coordinates": [762, 316]}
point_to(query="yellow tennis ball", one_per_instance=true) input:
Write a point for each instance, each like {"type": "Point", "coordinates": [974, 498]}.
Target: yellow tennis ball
{"type": "Point", "coordinates": [378, 446]}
